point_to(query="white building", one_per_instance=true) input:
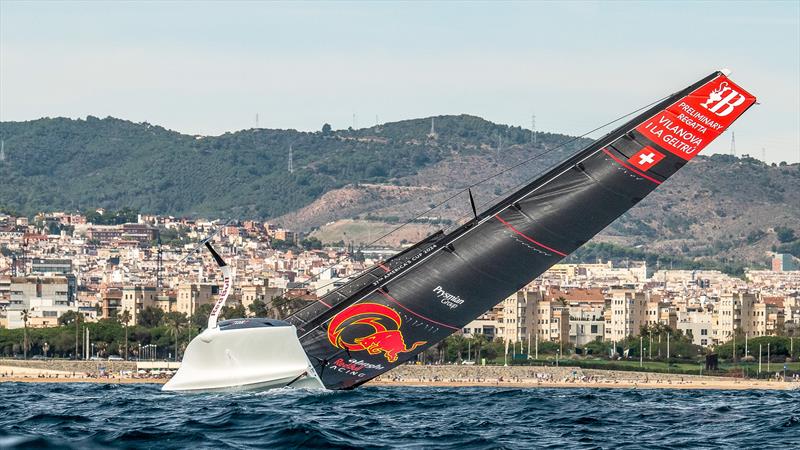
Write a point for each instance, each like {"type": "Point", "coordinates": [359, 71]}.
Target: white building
{"type": "Point", "coordinates": [698, 325]}
{"type": "Point", "coordinates": [44, 298]}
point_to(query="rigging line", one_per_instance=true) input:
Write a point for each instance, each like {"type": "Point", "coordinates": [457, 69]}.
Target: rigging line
{"type": "Point", "coordinates": [466, 217]}
{"type": "Point", "coordinates": [495, 175]}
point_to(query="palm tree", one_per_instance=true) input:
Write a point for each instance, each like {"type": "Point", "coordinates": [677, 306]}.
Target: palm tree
{"type": "Point", "coordinates": [176, 322]}
{"type": "Point", "coordinates": [125, 318]}
{"type": "Point", "coordinates": [457, 342]}
{"type": "Point", "coordinates": [478, 341]}
{"type": "Point", "coordinates": [78, 317]}
{"type": "Point", "coordinates": [25, 317]}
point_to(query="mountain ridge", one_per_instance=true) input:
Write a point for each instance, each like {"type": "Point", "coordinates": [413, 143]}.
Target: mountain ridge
{"type": "Point", "coordinates": [383, 174]}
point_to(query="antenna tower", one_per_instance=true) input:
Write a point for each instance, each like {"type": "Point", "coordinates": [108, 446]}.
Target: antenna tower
{"type": "Point", "coordinates": [432, 134]}
{"type": "Point", "coordinates": [533, 129]}
{"type": "Point", "coordinates": [733, 143]}
{"type": "Point", "coordinates": [256, 120]}
{"type": "Point", "coordinates": [291, 166]}
{"type": "Point", "coordinates": [499, 145]}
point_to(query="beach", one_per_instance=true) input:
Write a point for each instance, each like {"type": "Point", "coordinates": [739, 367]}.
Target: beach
{"type": "Point", "coordinates": [451, 376]}
{"type": "Point", "coordinates": [655, 383]}
{"type": "Point", "coordinates": [19, 373]}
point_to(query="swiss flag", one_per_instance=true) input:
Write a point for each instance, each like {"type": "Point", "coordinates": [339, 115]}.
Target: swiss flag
{"type": "Point", "coordinates": [645, 158]}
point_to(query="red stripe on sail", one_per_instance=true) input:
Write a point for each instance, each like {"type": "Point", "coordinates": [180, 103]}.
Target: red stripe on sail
{"type": "Point", "coordinates": [320, 300]}
{"type": "Point", "coordinates": [384, 267]}
{"type": "Point", "coordinates": [631, 168]}
{"type": "Point", "coordinates": [526, 237]}
{"type": "Point", "coordinates": [394, 300]}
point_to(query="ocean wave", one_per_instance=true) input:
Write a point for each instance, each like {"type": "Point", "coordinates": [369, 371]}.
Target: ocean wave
{"type": "Point", "coordinates": [89, 416]}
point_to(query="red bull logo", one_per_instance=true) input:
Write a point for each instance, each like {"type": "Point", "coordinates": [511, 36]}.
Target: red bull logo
{"type": "Point", "coordinates": [376, 328]}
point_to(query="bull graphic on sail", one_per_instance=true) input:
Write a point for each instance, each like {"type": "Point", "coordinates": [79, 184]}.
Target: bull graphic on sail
{"type": "Point", "coordinates": [377, 338]}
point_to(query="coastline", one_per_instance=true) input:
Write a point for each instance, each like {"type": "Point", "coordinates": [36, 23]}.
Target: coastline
{"type": "Point", "coordinates": [459, 376]}
{"type": "Point", "coordinates": [737, 385]}
{"type": "Point", "coordinates": [21, 374]}
{"type": "Point", "coordinates": [734, 384]}
{"type": "Point", "coordinates": [89, 380]}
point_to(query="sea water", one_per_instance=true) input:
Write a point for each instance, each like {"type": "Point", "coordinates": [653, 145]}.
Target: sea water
{"type": "Point", "coordinates": [141, 416]}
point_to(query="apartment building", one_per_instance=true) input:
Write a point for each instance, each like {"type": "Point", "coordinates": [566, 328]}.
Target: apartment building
{"type": "Point", "coordinates": [586, 324]}
{"type": "Point", "coordinates": [548, 320]}
{"type": "Point", "coordinates": [626, 314]}
{"type": "Point", "coordinates": [135, 298]}
{"type": "Point", "coordinates": [765, 320]}
{"type": "Point", "coordinates": [731, 309]}
{"type": "Point", "coordinates": [698, 326]}
{"type": "Point", "coordinates": [262, 292]}
{"type": "Point", "coordinates": [44, 298]}
{"type": "Point", "coordinates": [191, 296]}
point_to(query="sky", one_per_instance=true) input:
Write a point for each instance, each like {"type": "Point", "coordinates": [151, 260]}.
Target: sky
{"type": "Point", "coordinates": [210, 67]}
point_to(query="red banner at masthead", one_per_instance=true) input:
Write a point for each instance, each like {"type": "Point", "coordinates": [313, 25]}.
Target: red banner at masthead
{"type": "Point", "coordinates": [690, 124]}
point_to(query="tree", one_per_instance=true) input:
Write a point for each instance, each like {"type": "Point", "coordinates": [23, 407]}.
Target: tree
{"type": "Point", "coordinates": [454, 345]}
{"type": "Point", "coordinates": [200, 317]}
{"type": "Point", "coordinates": [235, 311]}
{"type": "Point", "coordinates": [785, 234]}
{"type": "Point", "coordinates": [478, 341]}
{"type": "Point", "coordinates": [78, 320]}
{"type": "Point", "coordinates": [258, 308]}
{"type": "Point", "coordinates": [25, 317]}
{"type": "Point", "coordinates": [125, 318]}
{"type": "Point", "coordinates": [281, 307]}
{"type": "Point", "coordinates": [326, 129]}
{"type": "Point", "coordinates": [176, 322]}
{"type": "Point", "coordinates": [311, 243]}
{"type": "Point", "coordinates": [68, 318]}
{"type": "Point", "coordinates": [151, 317]}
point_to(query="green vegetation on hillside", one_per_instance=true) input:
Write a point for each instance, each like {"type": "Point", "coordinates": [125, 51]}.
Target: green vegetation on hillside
{"type": "Point", "coordinates": [718, 212]}
{"type": "Point", "coordinates": [58, 164]}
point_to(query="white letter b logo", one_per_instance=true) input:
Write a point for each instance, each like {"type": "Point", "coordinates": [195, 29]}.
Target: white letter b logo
{"type": "Point", "coordinates": [733, 100]}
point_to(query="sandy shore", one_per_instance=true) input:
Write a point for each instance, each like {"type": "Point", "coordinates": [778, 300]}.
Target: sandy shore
{"type": "Point", "coordinates": [734, 384]}
{"type": "Point", "coordinates": [83, 380]}
{"type": "Point", "coordinates": [35, 375]}
{"type": "Point", "coordinates": [427, 376]}
{"type": "Point", "coordinates": [711, 384]}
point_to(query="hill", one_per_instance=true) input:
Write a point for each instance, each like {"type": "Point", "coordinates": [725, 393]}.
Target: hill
{"type": "Point", "coordinates": [62, 163]}
{"type": "Point", "coordinates": [717, 207]}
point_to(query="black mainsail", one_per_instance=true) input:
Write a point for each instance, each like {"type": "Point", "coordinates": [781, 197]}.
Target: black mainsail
{"type": "Point", "coordinates": [417, 298]}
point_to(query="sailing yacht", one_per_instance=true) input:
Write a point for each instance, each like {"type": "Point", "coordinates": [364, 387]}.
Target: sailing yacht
{"type": "Point", "coordinates": [402, 306]}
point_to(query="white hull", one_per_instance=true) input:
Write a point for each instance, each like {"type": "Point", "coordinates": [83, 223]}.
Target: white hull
{"type": "Point", "coordinates": [244, 355]}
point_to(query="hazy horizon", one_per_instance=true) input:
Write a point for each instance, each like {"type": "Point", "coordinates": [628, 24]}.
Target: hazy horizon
{"type": "Point", "coordinates": [208, 68]}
